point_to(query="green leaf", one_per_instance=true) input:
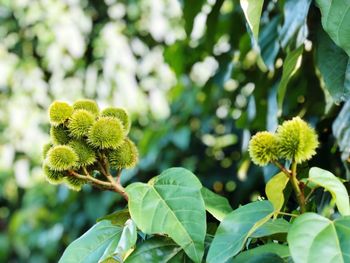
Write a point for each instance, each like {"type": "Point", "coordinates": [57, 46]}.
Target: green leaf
{"type": "Point", "coordinates": [252, 11]}
{"type": "Point", "coordinates": [215, 204]}
{"type": "Point", "coordinates": [332, 184]}
{"type": "Point", "coordinates": [289, 67]}
{"type": "Point", "coordinates": [341, 131]}
{"type": "Point", "coordinates": [271, 227]}
{"type": "Point", "coordinates": [117, 218]}
{"type": "Point", "coordinates": [236, 228]}
{"type": "Point", "coordinates": [336, 21]}
{"type": "Point", "coordinates": [158, 249]}
{"type": "Point", "coordinates": [172, 204]}
{"type": "Point", "coordinates": [334, 65]}
{"type": "Point", "coordinates": [118, 249]}
{"type": "Point", "coordinates": [91, 246]}
{"type": "Point", "coordinates": [274, 190]}
{"type": "Point", "coordinates": [271, 248]}
{"type": "Point", "coordinates": [294, 26]}
{"type": "Point", "coordinates": [313, 238]}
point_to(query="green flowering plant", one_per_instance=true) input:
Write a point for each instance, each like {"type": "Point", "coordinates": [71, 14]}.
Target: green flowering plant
{"type": "Point", "coordinates": [88, 146]}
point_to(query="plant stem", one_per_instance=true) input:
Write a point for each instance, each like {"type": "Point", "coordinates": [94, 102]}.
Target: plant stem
{"type": "Point", "coordinates": [91, 179]}
{"type": "Point", "coordinates": [116, 184]}
{"type": "Point", "coordinates": [282, 168]}
{"type": "Point", "coordinates": [295, 184]}
{"type": "Point", "coordinates": [287, 214]}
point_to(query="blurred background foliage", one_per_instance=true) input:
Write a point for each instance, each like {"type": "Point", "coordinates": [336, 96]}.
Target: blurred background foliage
{"type": "Point", "coordinates": [193, 75]}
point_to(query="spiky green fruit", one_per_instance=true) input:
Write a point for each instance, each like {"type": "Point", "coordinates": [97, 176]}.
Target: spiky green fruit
{"type": "Point", "coordinates": [120, 114]}
{"type": "Point", "coordinates": [46, 148]}
{"type": "Point", "coordinates": [61, 157]}
{"type": "Point", "coordinates": [297, 140]}
{"type": "Point", "coordinates": [86, 155]}
{"type": "Point", "coordinates": [59, 134]}
{"type": "Point", "coordinates": [106, 133]}
{"type": "Point", "coordinates": [74, 183]}
{"type": "Point", "coordinates": [59, 112]}
{"type": "Point", "coordinates": [80, 123]}
{"type": "Point", "coordinates": [263, 148]}
{"type": "Point", "coordinates": [86, 104]}
{"type": "Point", "coordinates": [52, 176]}
{"type": "Point", "coordinates": [125, 156]}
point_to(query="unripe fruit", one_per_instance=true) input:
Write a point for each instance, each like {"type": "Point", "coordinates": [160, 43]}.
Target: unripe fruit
{"type": "Point", "coordinates": [86, 104]}
{"type": "Point", "coordinates": [297, 140]}
{"type": "Point", "coordinates": [86, 155]}
{"type": "Point", "coordinates": [125, 156]}
{"type": "Point", "coordinates": [74, 183]}
{"type": "Point", "coordinates": [120, 114]}
{"type": "Point", "coordinates": [46, 148]}
{"type": "Point", "coordinates": [61, 157]}
{"type": "Point", "coordinates": [80, 123]}
{"type": "Point", "coordinates": [263, 148]}
{"type": "Point", "coordinates": [52, 176]}
{"type": "Point", "coordinates": [59, 135]}
{"type": "Point", "coordinates": [106, 133]}
{"type": "Point", "coordinates": [59, 112]}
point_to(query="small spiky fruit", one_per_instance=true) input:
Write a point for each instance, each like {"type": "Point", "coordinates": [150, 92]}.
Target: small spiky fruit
{"type": "Point", "coordinates": [86, 104]}
{"type": "Point", "coordinates": [263, 148]}
{"type": "Point", "coordinates": [59, 134]}
{"type": "Point", "coordinates": [52, 176]}
{"type": "Point", "coordinates": [61, 157]}
{"type": "Point", "coordinates": [297, 140]}
{"type": "Point", "coordinates": [59, 112]}
{"type": "Point", "coordinates": [86, 154]}
{"type": "Point", "coordinates": [120, 114]}
{"type": "Point", "coordinates": [80, 123]}
{"type": "Point", "coordinates": [106, 133]}
{"type": "Point", "coordinates": [125, 156]}
{"type": "Point", "coordinates": [74, 183]}
{"type": "Point", "coordinates": [46, 148]}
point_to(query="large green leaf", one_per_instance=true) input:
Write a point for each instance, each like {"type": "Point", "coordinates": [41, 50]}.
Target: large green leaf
{"type": "Point", "coordinates": [271, 227]}
{"type": "Point", "coordinates": [236, 227]}
{"type": "Point", "coordinates": [332, 184]}
{"type": "Point", "coordinates": [91, 246]}
{"type": "Point", "coordinates": [252, 11]}
{"type": "Point", "coordinates": [313, 238]}
{"type": "Point", "coordinates": [172, 204]}
{"type": "Point", "coordinates": [274, 190]}
{"type": "Point", "coordinates": [158, 250]}
{"type": "Point", "coordinates": [341, 131]}
{"type": "Point", "coordinates": [271, 248]}
{"type": "Point", "coordinates": [119, 249]}
{"type": "Point", "coordinates": [289, 67]}
{"type": "Point", "coordinates": [336, 21]}
{"type": "Point", "coordinates": [215, 204]}
{"type": "Point", "coordinates": [294, 26]}
{"type": "Point", "coordinates": [334, 65]}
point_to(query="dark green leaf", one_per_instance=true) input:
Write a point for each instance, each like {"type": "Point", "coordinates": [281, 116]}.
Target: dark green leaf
{"type": "Point", "coordinates": [276, 249]}
{"type": "Point", "coordinates": [171, 203]}
{"type": "Point", "coordinates": [271, 227]}
{"type": "Point", "coordinates": [190, 10]}
{"type": "Point", "coordinates": [215, 204]}
{"type": "Point", "coordinates": [236, 227]}
{"type": "Point", "coordinates": [117, 218]}
{"type": "Point", "coordinates": [334, 66]}
{"type": "Point", "coordinates": [336, 21]}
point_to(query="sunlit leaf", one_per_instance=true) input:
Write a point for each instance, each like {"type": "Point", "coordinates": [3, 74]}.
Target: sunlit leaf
{"type": "Point", "coordinates": [332, 184]}
{"type": "Point", "coordinates": [252, 11]}
{"type": "Point", "coordinates": [171, 203]}
{"type": "Point", "coordinates": [274, 190]}
{"type": "Point", "coordinates": [313, 238]}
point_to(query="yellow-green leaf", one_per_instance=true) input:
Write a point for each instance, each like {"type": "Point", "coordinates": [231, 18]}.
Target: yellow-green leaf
{"type": "Point", "coordinates": [274, 190]}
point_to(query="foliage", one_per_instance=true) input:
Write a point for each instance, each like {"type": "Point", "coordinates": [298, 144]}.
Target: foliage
{"type": "Point", "coordinates": [198, 80]}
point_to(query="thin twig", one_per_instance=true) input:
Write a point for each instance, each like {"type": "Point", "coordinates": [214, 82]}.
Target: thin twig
{"type": "Point", "coordinates": [287, 214]}
{"type": "Point", "coordinates": [282, 168]}
{"type": "Point", "coordinates": [91, 179]}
